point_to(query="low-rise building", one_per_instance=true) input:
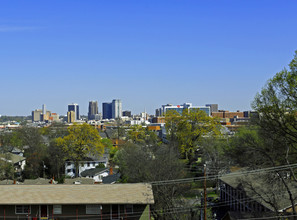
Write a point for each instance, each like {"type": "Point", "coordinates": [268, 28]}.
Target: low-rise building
{"type": "Point", "coordinates": [99, 201]}
{"type": "Point", "coordinates": [88, 163]}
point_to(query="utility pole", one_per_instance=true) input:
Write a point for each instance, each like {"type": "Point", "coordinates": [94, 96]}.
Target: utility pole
{"type": "Point", "coordinates": [205, 199]}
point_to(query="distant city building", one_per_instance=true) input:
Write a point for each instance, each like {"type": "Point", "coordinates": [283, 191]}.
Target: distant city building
{"type": "Point", "coordinates": [41, 115]}
{"type": "Point", "coordinates": [107, 110]}
{"type": "Point", "coordinates": [227, 114]}
{"type": "Point", "coordinates": [127, 114]}
{"type": "Point", "coordinates": [75, 108]}
{"type": "Point", "coordinates": [158, 112]}
{"type": "Point", "coordinates": [213, 107]}
{"type": "Point", "coordinates": [54, 117]}
{"type": "Point", "coordinates": [71, 116]}
{"type": "Point", "coordinates": [180, 108]}
{"type": "Point", "coordinates": [93, 110]}
{"type": "Point", "coordinates": [36, 115]}
{"type": "Point", "coordinates": [116, 108]}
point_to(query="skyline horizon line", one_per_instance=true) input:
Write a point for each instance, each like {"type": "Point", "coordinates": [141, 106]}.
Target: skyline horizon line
{"type": "Point", "coordinates": [85, 113]}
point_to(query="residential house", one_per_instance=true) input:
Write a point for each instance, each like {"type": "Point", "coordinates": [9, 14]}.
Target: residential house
{"type": "Point", "coordinates": [18, 162]}
{"type": "Point", "coordinates": [95, 173]}
{"type": "Point", "coordinates": [260, 194]}
{"type": "Point", "coordinates": [99, 201]}
{"type": "Point", "coordinates": [86, 164]}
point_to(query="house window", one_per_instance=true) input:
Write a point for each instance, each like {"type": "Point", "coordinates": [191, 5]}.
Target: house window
{"type": "Point", "coordinates": [69, 164]}
{"type": "Point", "coordinates": [115, 212]}
{"type": "Point", "coordinates": [57, 209]}
{"type": "Point", "coordinates": [22, 209]}
{"type": "Point", "coordinates": [68, 170]}
{"type": "Point", "coordinates": [88, 164]}
{"type": "Point", "coordinates": [129, 209]}
{"type": "Point", "coordinates": [93, 209]}
{"type": "Point", "coordinates": [94, 164]}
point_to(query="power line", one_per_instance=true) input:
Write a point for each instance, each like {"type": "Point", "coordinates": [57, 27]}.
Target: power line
{"type": "Point", "coordinates": [229, 175]}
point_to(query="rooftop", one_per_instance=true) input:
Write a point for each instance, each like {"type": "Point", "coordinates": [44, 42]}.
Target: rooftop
{"type": "Point", "coordinates": [137, 193]}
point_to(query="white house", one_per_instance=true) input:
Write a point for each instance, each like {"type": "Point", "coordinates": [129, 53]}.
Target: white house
{"type": "Point", "coordinates": [88, 163]}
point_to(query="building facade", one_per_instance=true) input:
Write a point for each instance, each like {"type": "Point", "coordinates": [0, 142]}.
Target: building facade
{"type": "Point", "coordinates": [75, 108]}
{"type": "Point", "coordinates": [60, 201]}
{"type": "Point", "coordinates": [70, 116]}
{"type": "Point", "coordinates": [106, 110]}
{"type": "Point", "coordinates": [93, 110]}
{"type": "Point", "coordinates": [116, 108]}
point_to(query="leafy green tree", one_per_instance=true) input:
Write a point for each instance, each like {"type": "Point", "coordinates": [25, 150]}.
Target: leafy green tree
{"type": "Point", "coordinates": [139, 134]}
{"type": "Point", "coordinates": [81, 141]}
{"type": "Point", "coordinates": [188, 129]}
{"type": "Point", "coordinates": [8, 141]}
{"type": "Point", "coordinates": [277, 106]}
{"type": "Point", "coordinates": [55, 160]}
{"type": "Point", "coordinates": [6, 167]}
{"type": "Point", "coordinates": [34, 150]}
{"type": "Point", "coordinates": [136, 134]}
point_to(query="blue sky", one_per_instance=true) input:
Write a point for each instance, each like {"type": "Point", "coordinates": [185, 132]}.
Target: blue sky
{"type": "Point", "coordinates": [147, 53]}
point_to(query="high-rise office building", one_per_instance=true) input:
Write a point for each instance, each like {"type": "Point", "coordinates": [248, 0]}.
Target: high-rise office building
{"type": "Point", "coordinates": [75, 108]}
{"type": "Point", "coordinates": [71, 116]}
{"type": "Point", "coordinates": [107, 110]}
{"type": "Point", "coordinates": [37, 115]}
{"type": "Point", "coordinates": [116, 108]}
{"type": "Point", "coordinates": [93, 110]}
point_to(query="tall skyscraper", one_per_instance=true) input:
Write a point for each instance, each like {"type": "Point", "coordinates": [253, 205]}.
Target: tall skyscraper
{"type": "Point", "coordinates": [107, 110]}
{"type": "Point", "coordinates": [75, 108]}
{"type": "Point", "coordinates": [116, 108]}
{"type": "Point", "coordinates": [93, 110]}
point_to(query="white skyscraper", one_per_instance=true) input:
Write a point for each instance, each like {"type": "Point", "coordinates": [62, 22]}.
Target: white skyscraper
{"type": "Point", "coordinates": [116, 108]}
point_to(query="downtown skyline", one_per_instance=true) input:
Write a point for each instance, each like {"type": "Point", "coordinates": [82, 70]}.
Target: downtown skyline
{"type": "Point", "coordinates": [146, 53]}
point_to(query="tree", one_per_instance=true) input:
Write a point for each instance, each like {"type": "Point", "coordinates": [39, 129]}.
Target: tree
{"type": "Point", "coordinates": [277, 106]}
{"type": "Point", "coordinates": [251, 150]}
{"type": "Point", "coordinates": [139, 134]}
{"type": "Point", "coordinates": [142, 163]}
{"type": "Point", "coordinates": [81, 141]}
{"type": "Point", "coordinates": [8, 141]}
{"type": "Point", "coordinates": [55, 160]}
{"type": "Point", "coordinates": [35, 150]}
{"type": "Point", "coordinates": [6, 167]}
{"type": "Point", "coordinates": [188, 129]}
{"type": "Point", "coordinates": [213, 155]}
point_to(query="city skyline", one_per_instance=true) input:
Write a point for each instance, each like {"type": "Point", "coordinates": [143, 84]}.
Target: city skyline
{"type": "Point", "coordinates": [145, 53]}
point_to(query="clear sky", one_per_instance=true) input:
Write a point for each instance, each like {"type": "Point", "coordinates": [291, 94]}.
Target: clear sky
{"type": "Point", "coordinates": [144, 52]}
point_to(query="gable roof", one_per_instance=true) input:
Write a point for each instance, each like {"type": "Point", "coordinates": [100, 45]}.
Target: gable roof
{"type": "Point", "coordinates": [93, 171]}
{"type": "Point", "coordinates": [13, 158]}
{"type": "Point", "coordinates": [111, 178]}
{"type": "Point", "coordinates": [262, 187]}
{"type": "Point", "coordinates": [137, 193]}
